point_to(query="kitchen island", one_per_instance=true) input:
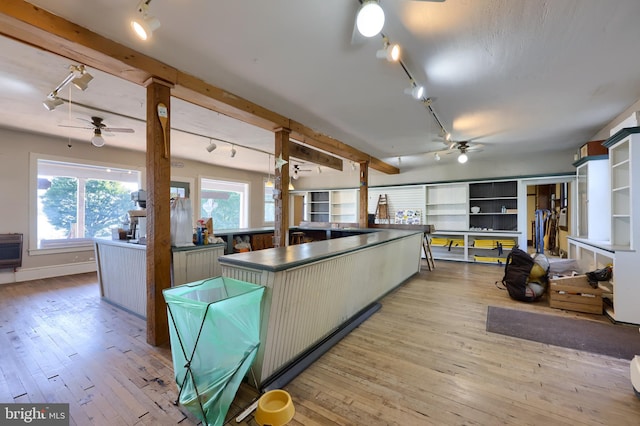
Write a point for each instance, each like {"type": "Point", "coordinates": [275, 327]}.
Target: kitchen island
{"type": "Point", "coordinates": [313, 289]}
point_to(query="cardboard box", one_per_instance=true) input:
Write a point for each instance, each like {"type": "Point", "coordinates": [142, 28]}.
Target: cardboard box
{"type": "Point", "coordinates": [575, 294]}
{"type": "Point", "coordinates": [593, 148]}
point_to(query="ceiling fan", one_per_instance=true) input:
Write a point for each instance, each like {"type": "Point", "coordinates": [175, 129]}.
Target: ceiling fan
{"type": "Point", "coordinates": [462, 147]}
{"type": "Point", "coordinates": [297, 170]}
{"type": "Point", "coordinates": [98, 127]}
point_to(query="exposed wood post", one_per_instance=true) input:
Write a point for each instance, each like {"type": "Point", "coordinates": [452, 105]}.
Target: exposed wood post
{"type": "Point", "coordinates": [158, 211]}
{"type": "Point", "coordinates": [281, 185]}
{"type": "Point", "coordinates": [364, 195]}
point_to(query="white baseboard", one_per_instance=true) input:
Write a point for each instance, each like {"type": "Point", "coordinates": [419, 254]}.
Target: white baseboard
{"type": "Point", "coordinates": [47, 272]}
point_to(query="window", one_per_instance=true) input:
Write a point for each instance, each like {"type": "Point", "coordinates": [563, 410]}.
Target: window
{"type": "Point", "coordinates": [179, 189]}
{"type": "Point", "coordinates": [77, 202]}
{"type": "Point", "coordinates": [269, 203]}
{"type": "Point", "coordinates": [225, 202]}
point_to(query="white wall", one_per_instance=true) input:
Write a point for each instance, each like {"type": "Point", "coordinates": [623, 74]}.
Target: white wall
{"type": "Point", "coordinates": [15, 149]}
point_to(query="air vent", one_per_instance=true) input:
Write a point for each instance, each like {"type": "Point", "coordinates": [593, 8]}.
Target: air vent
{"type": "Point", "coordinates": [10, 251]}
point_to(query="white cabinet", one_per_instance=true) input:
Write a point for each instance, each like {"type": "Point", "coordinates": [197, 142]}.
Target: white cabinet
{"type": "Point", "coordinates": [622, 292]}
{"type": "Point", "coordinates": [448, 207]}
{"type": "Point", "coordinates": [621, 153]}
{"type": "Point", "coordinates": [594, 210]}
{"type": "Point", "coordinates": [344, 205]}
{"type": "Point", "coordinates": [332, 206]}
{"type": "Point", "coordinates": [481, 247]}
{"type": "Point", "coordinates": [318, 207]}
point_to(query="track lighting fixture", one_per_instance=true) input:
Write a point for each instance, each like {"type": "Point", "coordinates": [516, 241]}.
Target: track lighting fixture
{"type": "Point", "coordinates": [462, 158]}
{"type": "Point", "coordinates": [145, 24]}
{"type": "Point", "coordinates": [390, 52]}
{"type": "Point", "coordinates": [436, 156]}
{"type": "Point", "coordinates": [78, 76]}
{"type": "Point", "coordinates": [52, 101]}
{"type": "Point", "coordinates": [97, 140]}
{"type": "Point", "coordinates": [319, 170]}
{"type": "Point", "coordinates": [416, 91]}
{"type": "Point", "coordinates": [81, 78]}
{"type": "Point", "coordinates": [233, 151]}
{"type": "Point", "coordinates": [291, 187]}
{"type": "Point", "coordinates": [212, 146]}
{"type": "Point", "coordinates": [370, 18]}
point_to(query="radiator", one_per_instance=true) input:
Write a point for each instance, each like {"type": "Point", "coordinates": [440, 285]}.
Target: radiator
{"type": "Point", "coordinates": [10, 251]}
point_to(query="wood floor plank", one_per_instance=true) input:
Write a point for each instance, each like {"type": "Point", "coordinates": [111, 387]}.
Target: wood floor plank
{"type": "Point", "coordinates": [424, 359]}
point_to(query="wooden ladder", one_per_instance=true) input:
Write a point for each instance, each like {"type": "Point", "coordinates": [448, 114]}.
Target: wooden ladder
{"type": "Point", "coordinates": [382, 209]}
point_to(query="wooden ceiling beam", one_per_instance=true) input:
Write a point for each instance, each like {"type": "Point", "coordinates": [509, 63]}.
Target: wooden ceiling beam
{"type": "Point", "coordinates": [305, 153]}
{"type": "Point", "coordinates": [32, 25]}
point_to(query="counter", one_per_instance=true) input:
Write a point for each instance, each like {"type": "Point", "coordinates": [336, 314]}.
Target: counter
{"type": "Point", "coordinates": [122, 270]}
{"type": "Point", "coordinates": [313, 289]}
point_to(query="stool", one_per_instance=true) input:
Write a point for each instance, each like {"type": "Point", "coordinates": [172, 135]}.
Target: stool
{"type": "Point", "coordinates": [297, 237]}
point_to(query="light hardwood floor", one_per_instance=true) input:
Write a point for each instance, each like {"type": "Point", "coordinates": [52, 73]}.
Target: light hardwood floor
{"type": "Point", "coordinates": [423, 359]}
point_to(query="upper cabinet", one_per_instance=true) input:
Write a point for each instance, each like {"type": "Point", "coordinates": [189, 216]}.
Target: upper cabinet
{"type": "Point", "coordinates": [447, 206]}
{"type": "Point", "coordinates": [493, 206]}
{"type": "Point", "coordinates": [624, 152]}
{"type": "Point", "coordinates": [593, 209]}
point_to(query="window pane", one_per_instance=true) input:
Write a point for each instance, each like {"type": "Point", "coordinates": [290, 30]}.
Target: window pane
{"type": "Point", "coordinates": [269, 204]}
{"type": "Point", "coordinates": [77, 202]}
{"type": "Point", "coordinates": [225, 202]}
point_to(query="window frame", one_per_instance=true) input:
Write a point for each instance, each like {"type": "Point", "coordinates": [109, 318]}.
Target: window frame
{"type": "Point", "coordinates": [80, 244]}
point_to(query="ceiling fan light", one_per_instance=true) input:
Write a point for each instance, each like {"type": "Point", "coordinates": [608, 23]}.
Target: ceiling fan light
{"type": "Point", "coordinates": [211, 147]}
{"type": "Point", "coordinates": [462, 158]}
{"type": "Point", "coordinates": [97, 140]}
{"type": "Point", "coordinates": [52, 102]}
{"type": "Point", "coordinates": [370, 18]}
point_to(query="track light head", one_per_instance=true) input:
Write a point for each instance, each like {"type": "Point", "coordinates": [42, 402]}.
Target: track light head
{"type": "Point", "coordinates": [436, 156]}
{"type": "Point", "coordinates": [52, 102]}
{"type": "Point", "coordinates": [97, 140]}
{"type": "Point", "coordinates": [81, 77]}
{"type": "Point", "coordinates": [145, 24]}
{"type": "Point", "coordinates": [370, 18]}
{"type": "Point", "coordinates": [233, 151]}
{"type": "Point", "coordinates": [211, 147]}
{"type": "Point", "coordinates": [390, 52]}
{"type": "Point", "coordinates": [416, 91]}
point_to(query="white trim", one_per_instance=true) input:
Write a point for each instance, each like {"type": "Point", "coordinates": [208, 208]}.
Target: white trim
{"type": "Point", "coordinates": [47, 272]}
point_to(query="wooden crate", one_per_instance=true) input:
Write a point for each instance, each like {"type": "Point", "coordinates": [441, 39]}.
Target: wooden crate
{"type": "Point", "coordinates": [575, 294]}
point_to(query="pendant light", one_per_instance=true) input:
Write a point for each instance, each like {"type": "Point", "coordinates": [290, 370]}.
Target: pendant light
{"type": "Point", "coordinates": [269, 183]}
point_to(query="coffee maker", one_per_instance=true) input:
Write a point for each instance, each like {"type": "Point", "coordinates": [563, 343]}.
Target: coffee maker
{"type": "Point", "coordinates": [138, 217]}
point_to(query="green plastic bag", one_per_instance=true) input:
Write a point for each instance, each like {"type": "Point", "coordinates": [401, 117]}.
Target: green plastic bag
{"type": "Point", "coordinates": [214, 326]}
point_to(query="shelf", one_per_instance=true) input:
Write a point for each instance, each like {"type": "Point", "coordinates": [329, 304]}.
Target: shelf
{"type": "Point", "coordinates": [621, 163]}
{"type": "Point", "coordinates": [621, 188]}
{"type": "Point", "coordinates": [492, 198]}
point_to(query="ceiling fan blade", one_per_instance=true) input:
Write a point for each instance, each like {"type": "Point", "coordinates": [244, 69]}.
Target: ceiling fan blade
{"type": "Point", "coordinates": [117, 130]}
{"type": "Point", "coordinates": [76, 127]}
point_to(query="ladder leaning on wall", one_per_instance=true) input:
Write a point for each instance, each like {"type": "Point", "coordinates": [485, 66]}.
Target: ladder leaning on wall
{"type": "Point", "coordinates": [382, 209]}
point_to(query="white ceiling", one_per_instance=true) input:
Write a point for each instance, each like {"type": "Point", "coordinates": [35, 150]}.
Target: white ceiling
{"type": "Point", "coordinates": [517, 76]}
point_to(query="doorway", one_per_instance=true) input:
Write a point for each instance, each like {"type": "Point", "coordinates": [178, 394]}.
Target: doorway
{"type": "Point", "coordinates": [548, 217]}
